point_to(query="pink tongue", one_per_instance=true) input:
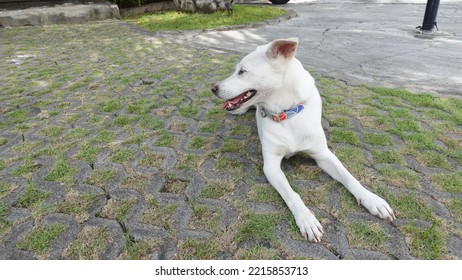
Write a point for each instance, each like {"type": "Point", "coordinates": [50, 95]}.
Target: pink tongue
{"type": "Point", "coordinates": [233, 101]}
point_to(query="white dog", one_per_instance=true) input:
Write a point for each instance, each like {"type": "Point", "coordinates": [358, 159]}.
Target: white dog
{"type": "Point", "coordinates": [289, 121]}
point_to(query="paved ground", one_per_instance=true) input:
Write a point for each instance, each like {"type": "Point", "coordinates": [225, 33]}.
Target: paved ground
{"type": "Point", "coordinates": [366, 42]}
{"type": "Point", "coordinates": [112, 146]}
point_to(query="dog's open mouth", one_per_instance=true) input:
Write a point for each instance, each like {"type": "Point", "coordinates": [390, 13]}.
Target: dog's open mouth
{"type": "Point", "coordinates": [236, 102]}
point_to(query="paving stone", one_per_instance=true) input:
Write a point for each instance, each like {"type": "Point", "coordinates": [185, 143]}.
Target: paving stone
{"type": "Point", "coordinates": [455, 246]}
{"type": "Point", "coordinates": [356, 254]}
{"type": "Point", "coordinates": [64, 239]}
{"type": "Point", "coordinates": [117, 238]}
{"type": "Point", "coordinates": [81, 93]}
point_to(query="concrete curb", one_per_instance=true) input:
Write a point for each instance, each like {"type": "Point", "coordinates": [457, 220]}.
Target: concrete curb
{"type": "Point", "coordinates": [60, 14]}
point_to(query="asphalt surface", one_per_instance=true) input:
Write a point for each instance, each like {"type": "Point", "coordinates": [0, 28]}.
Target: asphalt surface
{"type": "Point", "coordinates": [372, 42]}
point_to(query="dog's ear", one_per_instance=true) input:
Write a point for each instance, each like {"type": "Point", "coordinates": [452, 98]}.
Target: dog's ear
{"type": "Point", "coordinates": [285, 48]}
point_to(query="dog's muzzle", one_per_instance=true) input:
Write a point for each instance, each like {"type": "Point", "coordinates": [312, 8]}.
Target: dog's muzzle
{"type": "Point", "coordinates": [215, 90]}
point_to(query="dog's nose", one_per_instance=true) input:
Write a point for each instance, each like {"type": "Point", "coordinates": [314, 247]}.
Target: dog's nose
{"type": "Point", "coordinates": [215, 89]}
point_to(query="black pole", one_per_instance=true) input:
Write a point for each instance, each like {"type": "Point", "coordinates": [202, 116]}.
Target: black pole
{"type": "Point", "coordinates": [431, 11]}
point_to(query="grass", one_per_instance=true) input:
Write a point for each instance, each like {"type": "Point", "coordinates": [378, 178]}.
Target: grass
{"type": "Point", "coordinates": [455, 206]}
{"type": "Point", "coordinates": [78, 204]}
{"type": "Point", "coordinates": [264, 194]}
{"type": "Point", "coordinates": [344, 136]}
{"type": "Point", "coordinates": [168, 21]}
{"type": "Point", "coordinates": [174, 184]}
{"type": "Point", "coordinates": [4, 225]}
{"type": "Point", "coordinates": [403, 177]}
{"type": "Point", "coordinates": [61, 172]}
{"type": "Point", "coordinates": [448, 182]}
{"type": "Point", "coordinates": [158, 214]}
{"type": "Point", "coordinates": [217, 189]}
{"type": "Point", "coordinates": [116, 209]}
{"type": "Point", "coordinates": [138, 250]}
{"type": "Point", "coordinates": [259, 253]}
{"type": "Point", "coordinates": [198, 250]}
{"type": "Point", "coordinates": [426, 243]}
{"type": "Point", "coordinates": [199, 142]}
{"type": "Point", "coordinates": [391, 157]}
{"type": "Point", "coordinates": [366, 236]}
{"type": "Point", "coordinates": [123, 155]}
{"type": "Point", "coordinates": [258, 227]}
{"type": "Point", "coordinates": [32, 196]}
{"type": "Point", "coordinates": [40, 239]}
{"type": "Point", "coordinates": [89, 245]}
{"type": "Point", "coordinates": [101, 177]}
{"type": "Point", "coordinates": [204, 219]}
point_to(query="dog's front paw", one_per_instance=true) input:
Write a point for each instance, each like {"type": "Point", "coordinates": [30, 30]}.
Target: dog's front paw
{"type": "Point", "coordinates": [377, 206]}
{"type": "Point", "coordinates": [310, 228]}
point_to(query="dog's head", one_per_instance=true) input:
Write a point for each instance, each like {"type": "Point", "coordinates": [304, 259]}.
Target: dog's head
{"type": "Point", "coordinates": [257, 76]}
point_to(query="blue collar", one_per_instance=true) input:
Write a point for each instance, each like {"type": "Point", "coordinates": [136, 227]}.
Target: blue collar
{"type": "Point", "coordinates": [286, 114]}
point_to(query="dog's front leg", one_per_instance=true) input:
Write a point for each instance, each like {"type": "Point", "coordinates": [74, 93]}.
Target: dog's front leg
{"type": "Point", "coordinates": [377, 206]}
{"type": "Point", "coordinates": [310, 228]}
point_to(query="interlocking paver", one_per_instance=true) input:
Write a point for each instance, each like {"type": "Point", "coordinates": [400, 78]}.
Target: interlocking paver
{"type": "Point", "coordinates": [111, 133]}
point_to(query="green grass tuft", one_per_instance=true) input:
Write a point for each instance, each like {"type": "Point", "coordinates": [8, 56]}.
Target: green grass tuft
{"type": "Point", "coordinates": [448, 182]}
{"type": "Point", "coordinates": [366, 236]}
{"type": "Point", "coordinates": [426, 243]}
{"type": "Point", "coordinates": [40, 239]}
{"type": "Point", "coordinates": [344, 136]}
{"type": "Point", "coordinates": [259, 227]}
{"type": "Point", "coordinates": [186, 21]}
{"type": "Point", "coordinates": [32, 196]}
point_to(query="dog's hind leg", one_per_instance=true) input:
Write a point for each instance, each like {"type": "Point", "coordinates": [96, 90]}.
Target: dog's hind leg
{"type": "Point", "coordinates": [377, 206]}
{"type": "Point", "coordinates": [309, 226]}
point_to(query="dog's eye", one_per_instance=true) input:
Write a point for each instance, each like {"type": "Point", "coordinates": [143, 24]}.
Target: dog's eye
{"type": "Point", "coordinates": [241, 71]}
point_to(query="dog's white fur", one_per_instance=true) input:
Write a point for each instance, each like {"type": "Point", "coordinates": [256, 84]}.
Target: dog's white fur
{"type": "Point", "coordinates": [281, 83]}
